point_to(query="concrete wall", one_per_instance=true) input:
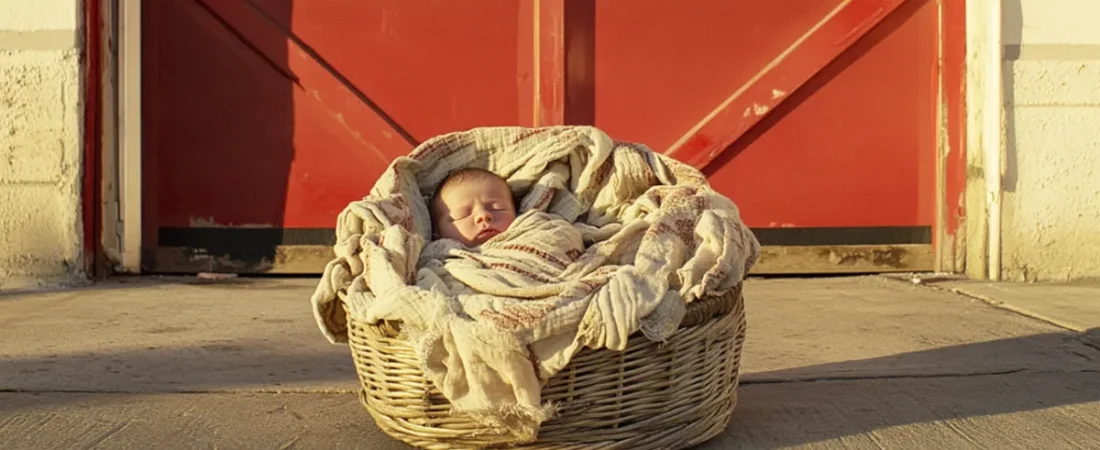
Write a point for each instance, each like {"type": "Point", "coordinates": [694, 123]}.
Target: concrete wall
{"type": "Point", "coordinates": [40, 143]}
{"type": "Point", "coordinates": [1052, 173]}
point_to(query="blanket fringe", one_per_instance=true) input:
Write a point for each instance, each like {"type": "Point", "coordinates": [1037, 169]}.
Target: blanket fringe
{"type": "Point", "coordinates": [521, 423]}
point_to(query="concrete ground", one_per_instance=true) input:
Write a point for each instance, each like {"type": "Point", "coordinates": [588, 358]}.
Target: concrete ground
{"type": "Point", "coordinates": [849, 362]}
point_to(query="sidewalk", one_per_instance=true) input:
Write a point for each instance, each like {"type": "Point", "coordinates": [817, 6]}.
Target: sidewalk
{"type": "Point", "coordinates": [851, 362]}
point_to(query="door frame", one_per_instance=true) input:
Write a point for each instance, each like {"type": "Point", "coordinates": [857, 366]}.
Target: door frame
{"type": "Point", "coordinates": [112, 222]}
{"type": "Point", "coordinates": [130, 135]}
{"type": "Point", "coordinates": [949, 237]}
{"type": "Point", "coordinates": [96, 74]}
{"type": "Point", "coordinates": [116, 217]}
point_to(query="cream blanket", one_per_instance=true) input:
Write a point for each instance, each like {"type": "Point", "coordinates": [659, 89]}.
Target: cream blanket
{"type": "Point", "coordinates": [612, 239]}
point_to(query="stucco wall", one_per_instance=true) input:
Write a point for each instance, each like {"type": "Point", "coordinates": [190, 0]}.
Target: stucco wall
{"type": "Point", "coordinates": [40, 141]}
{"type": "Point", "coordinates": [1052, 173]}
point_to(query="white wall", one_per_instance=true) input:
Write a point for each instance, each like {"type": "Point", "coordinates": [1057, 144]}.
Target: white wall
{"type": "Point", "coordinates": [1051, 203]}
{"type": "Point", "coordinates": [40, 142]}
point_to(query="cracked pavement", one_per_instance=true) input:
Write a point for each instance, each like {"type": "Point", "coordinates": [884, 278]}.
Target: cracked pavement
{"type": "Point", "coordinates": [838, 362]}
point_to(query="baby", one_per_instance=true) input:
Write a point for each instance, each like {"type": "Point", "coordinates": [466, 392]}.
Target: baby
{"type": "Point", "coordinates": [471, 206]}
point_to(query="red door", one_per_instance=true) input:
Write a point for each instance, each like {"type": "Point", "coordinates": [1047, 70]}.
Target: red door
{"type": "Point", "coordinates": [264, 118]}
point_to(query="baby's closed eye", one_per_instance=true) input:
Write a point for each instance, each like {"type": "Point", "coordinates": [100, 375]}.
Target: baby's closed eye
{"type": "Point", "coordinates": [460, 213]}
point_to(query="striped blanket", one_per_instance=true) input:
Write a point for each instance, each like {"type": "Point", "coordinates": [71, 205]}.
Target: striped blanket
{"type": "Point", "coordinates": [611, 239]}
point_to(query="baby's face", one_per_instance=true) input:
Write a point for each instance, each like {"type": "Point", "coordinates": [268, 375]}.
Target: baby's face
{"type": "Point", "coordinates": [473, 211]}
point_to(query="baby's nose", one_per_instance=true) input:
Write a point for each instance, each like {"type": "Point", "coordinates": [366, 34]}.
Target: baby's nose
{"type": "Point", "coordinates": [484, 216]}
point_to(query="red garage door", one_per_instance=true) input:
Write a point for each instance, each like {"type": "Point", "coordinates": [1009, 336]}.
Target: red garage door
{"type": "Point", "coordinates": [264, 118]}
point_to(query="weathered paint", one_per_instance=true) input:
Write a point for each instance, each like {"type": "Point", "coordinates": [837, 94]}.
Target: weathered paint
{"type": "Point", "coordinates": [949, 238]}
{"type": "Point", "coordinates": [285, 259]}
{"type": "Point", "coordinates": [850, 134]}
{"type": "Point", "coordinates": [861, 132]}
{"type": "Point", "coordinates": [845, 259]}
{"type": "Point", "coordinates": [804, 56]}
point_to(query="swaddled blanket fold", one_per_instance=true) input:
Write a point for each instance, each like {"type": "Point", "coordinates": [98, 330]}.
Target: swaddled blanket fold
{"type": "Point", "coordinates": [611, 239]}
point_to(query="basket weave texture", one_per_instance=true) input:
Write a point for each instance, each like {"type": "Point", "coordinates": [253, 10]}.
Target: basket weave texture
{"type": "Point", "coordinates": [653, 395]}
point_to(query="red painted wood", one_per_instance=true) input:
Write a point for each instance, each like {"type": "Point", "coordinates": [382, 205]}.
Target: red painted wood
{"type": "Point", "coordinates": [251, 128]}
{"type": "Point", "coordinates": [327, 85]}
{"type": "Point", "coordinates": [954, 108]}
{"type": "Point", "coordinates": [527, 65]}
{"type": "Point", "coordinates": [549, 34]}
{"type": "Point", "coordinates": [276, 113]}
{"type": "Point", "coordinates": [91, 193]}
{"type": "Point", "coordinates": [218, 122]}
{"type": "Point", "coordinates": [785, 72]}
{"type": "Point", "coordinates": [580, 62]}
{"type": "Point", "coordinates": [854, 146]}
{"type": "Point", "coordinates": [562, 61]}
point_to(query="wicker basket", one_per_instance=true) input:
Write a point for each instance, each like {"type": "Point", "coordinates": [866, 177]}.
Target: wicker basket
{"type": "Point", "coordinates": [650, 396]}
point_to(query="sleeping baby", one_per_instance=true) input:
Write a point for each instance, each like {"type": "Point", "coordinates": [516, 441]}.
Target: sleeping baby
{"type": "Point", "coordinates": [526, 253]}
{"type": "Point", "coordinates": [471, 206]}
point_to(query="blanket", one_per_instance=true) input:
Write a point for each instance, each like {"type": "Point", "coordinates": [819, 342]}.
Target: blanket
{"type": "Point", "coordinates": [611, 239]}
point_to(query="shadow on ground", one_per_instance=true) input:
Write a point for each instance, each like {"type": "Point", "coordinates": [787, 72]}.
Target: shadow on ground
{"type": "Point", "coordinates": [213, 366]}
{"type": "Point", "coordinates": [959, 394]}
{"type": "Point", "coordinates": [934, 391]}
{"type": "Point", "coordinates": [833, 363]}
{"type": "Point", "coordinates": [116, 283]}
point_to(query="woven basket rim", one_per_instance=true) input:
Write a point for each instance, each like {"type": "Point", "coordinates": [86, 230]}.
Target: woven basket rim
{"type": "Point", "coordinates": [700, 311]}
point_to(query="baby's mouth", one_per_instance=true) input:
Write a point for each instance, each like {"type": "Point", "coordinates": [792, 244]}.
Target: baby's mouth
{"type": "Point", "coordinates": [487, 233]}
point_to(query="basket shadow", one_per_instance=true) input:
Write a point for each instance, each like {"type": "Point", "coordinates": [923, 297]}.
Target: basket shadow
{"type": "Point", "coordinates": [925, 391]}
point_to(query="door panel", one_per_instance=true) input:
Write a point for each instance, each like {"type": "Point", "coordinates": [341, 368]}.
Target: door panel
{"type": "Point", "coordinates": [854, 145]}
{"type": "Point", "coordinates": [671, 74]}
{"type": "Point", "coordinates": [264, 118]}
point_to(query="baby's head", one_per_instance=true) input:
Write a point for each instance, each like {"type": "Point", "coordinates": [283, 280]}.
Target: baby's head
{"type": "Point", "coordinates": [471, 206]}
